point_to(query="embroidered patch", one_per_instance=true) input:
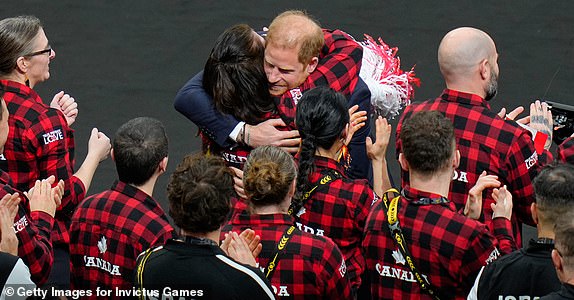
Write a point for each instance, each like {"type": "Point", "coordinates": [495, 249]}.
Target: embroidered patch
{"type": "Point", "coordinates": [53, 136]}
{"type": "Point", "coordinates": [343, 269]}
{"type": "Point", "coordinates": [103, 245]}
{"type": "Point", "coordinates": [296, 95]}
{"type": "Point", "coordinates": [399, 258]}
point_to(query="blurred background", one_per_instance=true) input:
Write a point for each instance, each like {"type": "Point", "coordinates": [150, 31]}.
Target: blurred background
{"type": "Point", "coordinates": [124, 59]}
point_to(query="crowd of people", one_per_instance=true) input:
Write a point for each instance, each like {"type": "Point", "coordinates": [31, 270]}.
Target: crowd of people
{"type": "Point", "coordinates": [291, 196]}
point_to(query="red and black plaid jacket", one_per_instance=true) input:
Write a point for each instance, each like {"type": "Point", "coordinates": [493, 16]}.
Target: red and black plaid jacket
{"type": "Point", "coordinates": [339, 65]}
{"type": "Point", "coordinates": [312, 267]}
{"type": "Point", "coordinates": [109, 230]}
{"type": "Point", "coordinates": [339, 211]}
{"type": "Point", "coordinates": [446, 246]}
{"type": "Point", "coordinates": [40, 144]}
{"type": "Point", "coordinates": [486, 143]}
{"type": "Point", "coordinates": [566, 150]}
{"type": "Point", "coordinates": [33, 232]}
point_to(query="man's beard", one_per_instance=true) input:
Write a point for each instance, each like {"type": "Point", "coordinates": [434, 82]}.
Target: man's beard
{"type": "Point", "coordinates": [492, 87]}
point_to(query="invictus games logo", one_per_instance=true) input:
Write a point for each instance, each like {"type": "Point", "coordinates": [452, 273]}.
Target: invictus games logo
{"type": "Point", "coordinates": [296, 95]}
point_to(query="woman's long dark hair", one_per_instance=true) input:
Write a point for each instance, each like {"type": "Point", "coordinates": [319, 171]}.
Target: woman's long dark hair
{"type": "Point", "coordinates": [234, 75]}
{"type": "Point", "coordinates": [321, 118]}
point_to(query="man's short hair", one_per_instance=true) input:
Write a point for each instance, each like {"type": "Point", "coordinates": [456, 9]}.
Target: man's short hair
{"type": "Point", "coordinates": [428, 142]}
{"type": "Point", "coordinates": [564, 239]}
{"type": "Point", "coordinates": [139, 146]}
{"type": "Point", "coordinates": [307, 35]}
{"type": "Point", "coordinates": [554, 190]}
{"type": "Point", "coordinates": [199, 193]}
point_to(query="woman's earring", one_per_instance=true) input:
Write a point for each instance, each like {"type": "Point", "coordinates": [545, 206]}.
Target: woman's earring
{"type": "Point", "coordinates": [345, 156]}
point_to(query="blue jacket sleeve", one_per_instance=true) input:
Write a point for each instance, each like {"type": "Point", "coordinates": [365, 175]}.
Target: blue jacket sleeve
{"type": "Point", "coordinates": [360, 163]}
{"type": "Point", "coordinates": [195, 104]}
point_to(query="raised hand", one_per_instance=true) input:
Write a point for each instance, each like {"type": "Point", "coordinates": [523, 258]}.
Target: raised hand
{"type": "Point", "coordinates": [357, 121]}
{"type": "Point", "coordinates": [503, 205]}
{"type": "Point", "coordinates": [238, 249]}
{"type": "Point", "coordinates": [9, 241]}
{"type": "Point", "coordinates": [473, 206]}
{"type": "Point", "coordinates": [67, 105]}
{"type": "Point", "coordinates": [238, 182]}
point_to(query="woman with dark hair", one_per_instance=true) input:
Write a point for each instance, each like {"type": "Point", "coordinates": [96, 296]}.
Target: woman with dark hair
{"type": "Point", "coordinates": [235, 79]}
{"type": "Point", "coordinates": [299, 265]}
{"type": "Point", "coordinates": [328, 202]}
{"type": "Point", "coordinates": [234, 76]}
{"type": "Point", "coordinates": [41, 142]}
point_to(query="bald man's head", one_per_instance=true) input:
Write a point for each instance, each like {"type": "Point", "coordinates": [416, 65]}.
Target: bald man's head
{"type": "Point", "coordinates": [468, 60]}
{"type": "Point", "coordinates": [462, 49]}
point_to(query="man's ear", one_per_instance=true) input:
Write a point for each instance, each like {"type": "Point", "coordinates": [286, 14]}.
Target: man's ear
{"type": "Point", "coordinates": [484, 69]}
{"type": "Point", "coordinates": [403, 162]}
{"type": "Point", "coordinates": [312, 64]}
{"type": "Point", "coordinates": [163, 165]}
{"type": "Point", "coordinates": [112, 154]}
{"type": "Point", "coordinates": [456, 159]}
{"type": "Point", "coordinates": [557, 262]}
{"type": "Point", "coordinates": [534, 211]}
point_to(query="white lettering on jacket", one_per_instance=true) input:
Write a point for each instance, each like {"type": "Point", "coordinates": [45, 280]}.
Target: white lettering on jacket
{"type": "Point", "coordinates": [53, 136]}
{"type": "Point", "coordinates": [99, 263]}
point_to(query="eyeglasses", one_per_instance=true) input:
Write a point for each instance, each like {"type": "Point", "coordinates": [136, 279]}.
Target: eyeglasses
{"type": "Point", "coordinates": [49, 50]}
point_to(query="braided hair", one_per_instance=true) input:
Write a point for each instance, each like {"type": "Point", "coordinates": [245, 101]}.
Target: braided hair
{"type": "Point", "coordinates": [321, 118]}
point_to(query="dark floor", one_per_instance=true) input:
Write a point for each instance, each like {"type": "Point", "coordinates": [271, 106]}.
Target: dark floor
{"type": "Point", "coordinates": [122, 59]}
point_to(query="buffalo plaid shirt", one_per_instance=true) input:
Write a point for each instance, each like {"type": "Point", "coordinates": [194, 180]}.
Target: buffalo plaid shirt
{"type": "Point", "coordinates": [339, 211]}
{"type": "Point", "coordinates": [109, 230]}
{"type": "Point", "coordinates": [33, 232]}
{"type": "Point", "coordinates": [40, 144]}
{"type": "Point", "coordinates": [446, 246]}
{"type": "Point", "coordinates": [311, 267]}
{"type": "Point", "coordinates": [486, 143]}
{"type": "Point", "coordinates": [566, 150]}
{"type": "Point", "coordinates": [339, 65]}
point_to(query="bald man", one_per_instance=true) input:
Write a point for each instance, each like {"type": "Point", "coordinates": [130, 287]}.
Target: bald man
{"type": "Point", "coordinates": [468, 62]}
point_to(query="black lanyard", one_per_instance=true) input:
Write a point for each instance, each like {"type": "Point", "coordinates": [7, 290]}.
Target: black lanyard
{"type": "Point", "coordinates": [325, 180]}
{"type": "Point", "coordinates": [196, 241]}
{"type": "Point", "coordinates": [391, 211]}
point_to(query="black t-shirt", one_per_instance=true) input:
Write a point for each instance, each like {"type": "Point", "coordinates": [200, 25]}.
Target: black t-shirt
{"type": "Point", "coordinates": [524, 273]}
{"type": "Point", "coordinates": [186, 270]}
